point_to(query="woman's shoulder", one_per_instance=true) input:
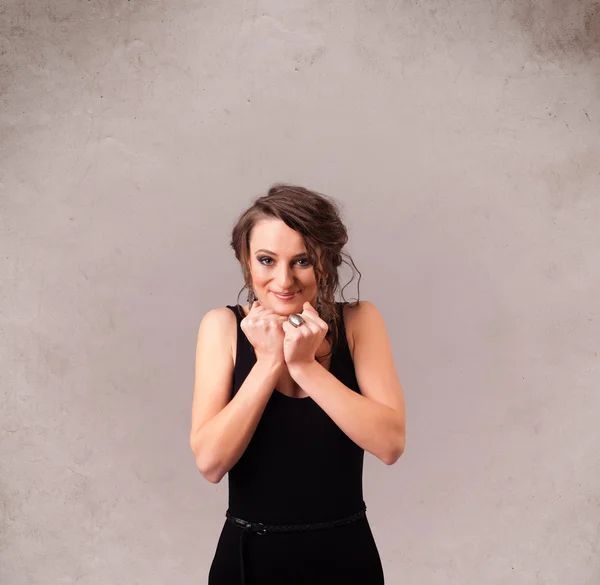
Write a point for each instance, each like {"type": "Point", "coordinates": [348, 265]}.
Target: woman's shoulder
{"type": "Point", "coordinates": [352, 312]}
{"type": "Point", "coordinates": [222, 314]}
{"type": "Point", "coordinates": [223, 322]}
{"type": "Point", "coordinates": [353, 308]}
{"type": "Point", "coordinates": [356, 313]}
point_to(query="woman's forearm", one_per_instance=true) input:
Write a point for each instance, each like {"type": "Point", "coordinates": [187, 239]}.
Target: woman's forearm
{"type": "Point", "coordinates": [375, 427]}
{"type": "Point", "coordinates": [222, 440]}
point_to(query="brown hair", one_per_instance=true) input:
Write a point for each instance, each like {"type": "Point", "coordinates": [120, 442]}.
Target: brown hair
{"type": "Point", "coordinates": [316, 217]}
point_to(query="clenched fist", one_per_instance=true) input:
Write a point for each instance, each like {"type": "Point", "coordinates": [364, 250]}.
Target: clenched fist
{"type": "Point", "coordinates": [263, 328]}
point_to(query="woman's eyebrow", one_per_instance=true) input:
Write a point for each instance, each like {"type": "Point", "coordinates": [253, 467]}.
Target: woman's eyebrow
{"type": "Point", "coordinates": [273, 253]}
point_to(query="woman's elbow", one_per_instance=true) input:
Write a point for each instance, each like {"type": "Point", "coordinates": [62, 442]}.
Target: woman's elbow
{"type": "Point", "coordinates": [212, 477]}
{"type": "Point", "coordinates": [209, 471]}
{"type": "Point", "coordinates": [396, 452]}
{"type": "Point", "coordinates": [392, 457]}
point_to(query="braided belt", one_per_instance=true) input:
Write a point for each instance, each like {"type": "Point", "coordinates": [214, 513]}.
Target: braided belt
{"type": "Point", "coordinates": [261, 529]}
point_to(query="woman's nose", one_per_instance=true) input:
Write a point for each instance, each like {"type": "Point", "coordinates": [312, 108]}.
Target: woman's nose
{"type": "Point", "coordinates": [284, 279]}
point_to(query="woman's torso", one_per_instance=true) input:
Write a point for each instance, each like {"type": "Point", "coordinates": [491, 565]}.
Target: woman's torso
{"type": "Point", "coordinates": [299, 466]}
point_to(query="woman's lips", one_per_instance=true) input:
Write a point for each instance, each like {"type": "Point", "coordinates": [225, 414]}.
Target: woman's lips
{"type": "Point", "coordinates": [285, 297]}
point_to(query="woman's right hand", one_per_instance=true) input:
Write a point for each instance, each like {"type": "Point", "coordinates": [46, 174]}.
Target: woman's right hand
{"type": "Point", "coordinates": [263, 329]}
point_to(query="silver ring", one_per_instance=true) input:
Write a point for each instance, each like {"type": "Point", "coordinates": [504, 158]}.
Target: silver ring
{"type": "Point", "coordinates": [296, 320]}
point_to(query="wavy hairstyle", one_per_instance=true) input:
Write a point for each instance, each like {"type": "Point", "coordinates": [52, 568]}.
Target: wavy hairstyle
{"type": "Point", "coordinates": [316, 217]}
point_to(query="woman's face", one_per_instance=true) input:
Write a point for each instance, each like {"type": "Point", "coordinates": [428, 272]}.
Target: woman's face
{"type": "Point", "coordinates": [279, 263]}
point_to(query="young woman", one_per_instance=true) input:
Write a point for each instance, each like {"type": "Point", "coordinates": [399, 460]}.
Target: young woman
{"type": "Point", "coordinates": [290, 391]}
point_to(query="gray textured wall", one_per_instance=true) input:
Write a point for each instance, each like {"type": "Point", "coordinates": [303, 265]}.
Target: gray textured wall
{"type": "Point", "coordinates": [462, 139]}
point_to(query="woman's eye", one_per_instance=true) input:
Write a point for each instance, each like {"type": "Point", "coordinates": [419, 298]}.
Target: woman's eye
{"type": "Point", "coordinates": [264, 258]}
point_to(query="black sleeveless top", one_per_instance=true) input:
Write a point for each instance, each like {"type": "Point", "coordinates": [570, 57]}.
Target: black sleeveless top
{"type": "Point", "coordinates": [299, 466]}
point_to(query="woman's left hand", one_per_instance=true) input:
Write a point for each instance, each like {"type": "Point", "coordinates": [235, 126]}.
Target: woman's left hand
{"type": "Point", "coordinates": [300, 344]}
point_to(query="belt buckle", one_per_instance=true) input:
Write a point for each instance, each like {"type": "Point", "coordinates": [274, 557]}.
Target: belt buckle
{"type": "Point", "coordinates": [262, 528]}
{"type": "Point", "coordinates": [241, 523]}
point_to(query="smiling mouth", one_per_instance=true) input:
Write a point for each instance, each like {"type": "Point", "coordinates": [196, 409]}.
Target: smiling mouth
{"type": "Point", "coordinates": [286, 295]}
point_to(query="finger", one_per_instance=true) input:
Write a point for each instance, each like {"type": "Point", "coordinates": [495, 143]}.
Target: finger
{"type": "Point", "coordinates": [307, 328]}
{"type": "Point", "coordinates": [290, 330]}
{"type": "Point", "coordinates": [315, 323]}
{"type": "Point", "coordinates": [269, 315]}
{"type": "Point", "coordinates": [266, 313]}
{"type": "Point", "coordinates": [309, 310]}
{"type": "Point", "coordinates": [310, 327]}
{"type": "Point", "coordinates": [315, 320]}
{"type": "Point", "coordinates": [269, 320]}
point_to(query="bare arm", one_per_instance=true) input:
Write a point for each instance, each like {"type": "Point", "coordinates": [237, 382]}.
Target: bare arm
{"type": "Point", "coordinates": [375, 418]}
{"type": "Point", "coordinates": [222, 428]}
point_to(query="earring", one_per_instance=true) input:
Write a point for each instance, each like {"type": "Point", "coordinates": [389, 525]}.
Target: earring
{"type": "Point", "coordinates": [319, 305]}
{"type": "Point", "coordinates": [251, 295]}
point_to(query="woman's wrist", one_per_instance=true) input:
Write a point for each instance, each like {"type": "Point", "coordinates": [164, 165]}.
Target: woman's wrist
{"type": "Point", "coordinates": [271, 363]}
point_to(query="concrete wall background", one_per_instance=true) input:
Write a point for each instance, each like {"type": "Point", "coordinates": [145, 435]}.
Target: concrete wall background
{"type": "Point", "coordinates": [463, 142]}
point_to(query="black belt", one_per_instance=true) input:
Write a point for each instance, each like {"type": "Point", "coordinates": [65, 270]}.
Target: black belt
{"type": "Point", "coordinates": [261, 529]}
